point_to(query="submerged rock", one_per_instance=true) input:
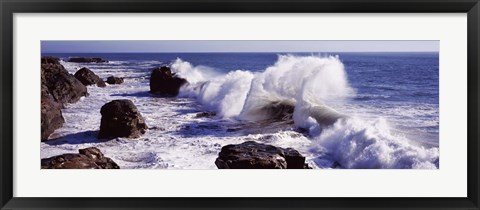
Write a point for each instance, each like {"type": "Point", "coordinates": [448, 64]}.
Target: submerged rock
{"type": "Point", "coordinates": [279, 110]}
{"type": "Point", "coordinates": [88, 158]}
{"type": "Point", "coordinates": [51, 114]}
{"type": "Point", "coordinates": [120, 118]}
{"type": "Point", "coordinates": [114, 80]}
{"type": "Point", "coordinates": [87, 60]}
{"type": "Point", "coordinates": [87, 77]}
{"type": "Point", "coordinates": [253, 155]}
{"type": "Point", "coordinates": [164, 82]}
{"type": "Point", "coordinates": [64, 87]}
{"type": "Point", "coordinates": [205, 114]}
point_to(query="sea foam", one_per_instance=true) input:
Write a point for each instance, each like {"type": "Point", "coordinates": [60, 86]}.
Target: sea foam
{"type": "Point", "coordinates": [295, 80]}
{"type": "Point", "coordinates": [356, 143]}
{"type": "Point", "coordinates": [312, 85]}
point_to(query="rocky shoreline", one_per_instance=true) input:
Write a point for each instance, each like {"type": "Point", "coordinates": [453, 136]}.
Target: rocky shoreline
{"type": "Point", "coordinates": [88, 158]}
{"type": "Point", "coordinates": [87, 60]}
{"type": "Point", "coordinates": [121, 118]}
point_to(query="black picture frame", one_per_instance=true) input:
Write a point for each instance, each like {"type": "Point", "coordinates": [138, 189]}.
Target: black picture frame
{"type": "Point", "coordinates": [10, 7]}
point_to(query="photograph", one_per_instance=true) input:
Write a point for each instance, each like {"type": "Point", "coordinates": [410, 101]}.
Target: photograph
{"type": "Point", "coordinates": [240, 104]}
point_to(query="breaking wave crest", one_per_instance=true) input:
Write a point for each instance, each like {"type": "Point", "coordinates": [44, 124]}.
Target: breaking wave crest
{"type": "Point", "coordinates": [355, 143]}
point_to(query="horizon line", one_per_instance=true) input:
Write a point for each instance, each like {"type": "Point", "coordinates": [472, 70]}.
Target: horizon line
{"type": "Point", "coordinates": [258, 52]}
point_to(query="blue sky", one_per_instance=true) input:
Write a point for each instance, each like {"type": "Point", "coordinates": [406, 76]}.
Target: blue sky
{"type": "Point", "coordinates": [104, 46]}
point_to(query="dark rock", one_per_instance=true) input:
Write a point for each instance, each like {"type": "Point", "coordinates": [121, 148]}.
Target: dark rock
{"type": "Point", "coordinates": [120, 118]}
{"type": "Point", "coordinates": [279, 111]}
{"type": "Point", "coordinates": [64, 87]}
{"type": "Point", "coordinates": [87, 77]}
{"type": "Point", "coordinates": [250, 155]}
{"type": "Point", "coordinates": [51, 114]}
{"type": "Point", "coordinates": [97, 156]}
{"type": "Point", "coordinates": [87, 60]}
{"type": "Point", "coordinates": [205, 114]}
{"type": "Point", "coordinates": [101, 83]}
{"type": "Point", "coordinates": [253, 155]}
{"type": "Point", "coordinates": [156, 128]}
{"type": "Point", "coordinates": [114, 80]}
{"type": "Point", "coordinates": [50, 60]}
{"type": "Point", "coordinates": [233, 129]}
{"type": "Point", "coordinates": [294, 159]}
{"type": "Point", "coordinates": [164, 82]}
{"type": "Point", "coordinates": [88, 158]}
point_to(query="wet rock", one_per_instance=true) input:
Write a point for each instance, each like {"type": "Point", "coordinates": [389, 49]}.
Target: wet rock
{"type": "Point", "coordinates": [64, 87]}
{"type": "Point", "coordinates": [294, 159]}
{"type": "Point", "coordinates": [250, 155]}
{"type": "Point", "coordinates": [120, 118]}
{"type": "Point", "coordinates": [114, 80]}
{"type": "Point", "coordinates": [97, 156]}
{"type": "Point", "coordinates": [164, 82]}
{"type": "Point", "coordinates": [279, 111]}
{"type": "Point", "coordinates": [88, 158]}
{"type": "Point", "coordinates": [253, 155]}
{"type": "Point", "coordinates": [156, 128]}
{"type": "Point", "coordinates": [205, 114]}
{"type": "Point", "coordinates": [87, 60]}
{"type": "Point", "coordinates": [87, 77]}
{"type": "Point", "coordinates": [101, 83]}
{"type": "Point", "coordinates": [50, 60]}
{"type": "Point", "coordinates": [51, 114]}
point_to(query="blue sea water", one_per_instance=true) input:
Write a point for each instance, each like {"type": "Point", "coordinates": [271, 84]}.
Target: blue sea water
{"type": "Point", "coordinates": [401, 88]}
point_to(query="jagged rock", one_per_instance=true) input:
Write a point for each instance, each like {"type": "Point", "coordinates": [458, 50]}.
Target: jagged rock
{"type": "Point", "coordinates": [114, 80]}
{"type": "Point", "coordinates": [64, 87]}
{"type": "Point", "coordinates": [51, 114]}
{"type": "Point", "coordinates": [57, 88]}
{"type": "Point", "coordinates": [87, 60]}
{"type": "Point", "coordinates": [87, 77]}
{"type": "Point", "coordinates": [88, 158]}
{"type": "Point", "coordinates": [253, 155]}
{"type": "Point", "coordinates": [120, 118]}
{"type": "Point", "coordinates": [164, 82]}
{"type": "Point", "coordinates": [50, 60]}
{"type": "Point", "coordinates": [101, 83]}
{"type": "Point", "coordinates": [279, 111]}
{"type": "Point", "coordinates": [294, 159]}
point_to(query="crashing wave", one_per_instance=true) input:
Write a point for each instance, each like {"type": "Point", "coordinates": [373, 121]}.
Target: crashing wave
{"type": "Point", "coordinates": [301, 88]}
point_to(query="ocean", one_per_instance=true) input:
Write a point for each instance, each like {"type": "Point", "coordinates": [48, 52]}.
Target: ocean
{"type": "Point", "coordinates": [390, 102]}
